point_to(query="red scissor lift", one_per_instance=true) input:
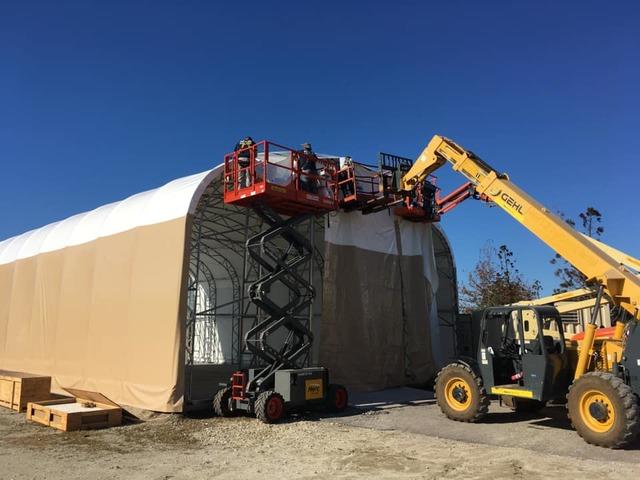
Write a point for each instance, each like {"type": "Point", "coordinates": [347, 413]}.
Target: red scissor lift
{"type": "Point", "coordinates": [284, 187]}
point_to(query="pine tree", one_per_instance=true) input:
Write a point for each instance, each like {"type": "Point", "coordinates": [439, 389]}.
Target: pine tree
{"type": "Point", "coordinates": [571, 278]}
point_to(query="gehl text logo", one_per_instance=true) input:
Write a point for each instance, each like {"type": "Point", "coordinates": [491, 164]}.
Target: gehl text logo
{"type": "Point", "coordinates": [509, 200]}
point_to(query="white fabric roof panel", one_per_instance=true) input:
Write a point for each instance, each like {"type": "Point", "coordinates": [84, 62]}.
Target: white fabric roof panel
{"type": "Point", "coordinates": [168, 202]}
{"type": "Point", "coordinates": [174, 200]}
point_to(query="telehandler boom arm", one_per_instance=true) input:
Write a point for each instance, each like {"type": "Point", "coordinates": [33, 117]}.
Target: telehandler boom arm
{"type": "Point", "coordinates": [594, 261]}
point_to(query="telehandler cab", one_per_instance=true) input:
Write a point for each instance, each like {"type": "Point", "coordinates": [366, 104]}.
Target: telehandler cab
{"type": "Point", "coordinates": [521, 357]}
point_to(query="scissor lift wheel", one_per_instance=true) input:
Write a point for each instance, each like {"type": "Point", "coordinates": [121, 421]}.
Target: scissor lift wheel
{"type": "Point", "coordinates": [337, 398]}
{"type": "Point", "coordinates": [222, 402]}
{"type": "Point", "coordinates": [269, 407]}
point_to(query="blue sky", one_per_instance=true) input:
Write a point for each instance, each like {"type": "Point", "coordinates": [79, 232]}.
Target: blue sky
{"type": "Point", "coordinates": [101, 100]}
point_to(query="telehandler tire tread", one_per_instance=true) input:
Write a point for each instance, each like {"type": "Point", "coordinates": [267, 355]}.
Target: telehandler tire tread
{"type": "Point", "coordinates": [479, 401]}
{"type": "Point", "coordinates": [626, 420]}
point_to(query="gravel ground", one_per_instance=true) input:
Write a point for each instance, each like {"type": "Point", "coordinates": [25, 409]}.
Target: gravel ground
{"type": "Point", "coordinates": [173, 446]}
{"type": "Point", "coordinates": [546, 432]}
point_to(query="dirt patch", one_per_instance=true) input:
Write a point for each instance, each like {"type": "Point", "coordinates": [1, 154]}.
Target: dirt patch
{"type": "Point", "coordinates": [172, 446]}
{"type": "Point", "coordinates": [164, 432]}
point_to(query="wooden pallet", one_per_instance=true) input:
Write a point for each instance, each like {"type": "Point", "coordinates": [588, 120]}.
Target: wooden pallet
{"type": "Point", "coordinates": [86, 410]}
{"type": "Point", "coordinates": [17, 389]}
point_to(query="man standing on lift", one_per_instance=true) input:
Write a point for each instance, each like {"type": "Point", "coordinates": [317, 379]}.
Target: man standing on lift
{"type": "Point", "coordinates": [243, 147]}
{"type": "Point", "coordinates": [308, 169]}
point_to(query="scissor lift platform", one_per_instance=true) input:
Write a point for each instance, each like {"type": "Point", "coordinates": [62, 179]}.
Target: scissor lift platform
{"type": "Point", "coordinates": [271, 174]}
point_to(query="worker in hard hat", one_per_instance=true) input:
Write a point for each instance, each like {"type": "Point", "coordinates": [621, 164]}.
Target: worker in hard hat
{"type": "Point", "coordinates": [347, 184]}
{"type": "Point", "coordinates": [244, 149]}
{"type": "Point", "coordinates": [429, 199]}
{"type": "Point", "coordinates": [308, 169]}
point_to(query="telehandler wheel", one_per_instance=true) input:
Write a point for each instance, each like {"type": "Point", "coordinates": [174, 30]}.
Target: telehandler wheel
{"type": "Point", "coordinates": [269, 407]}
{"type": "Point", "coordinates": [460, 393]}
{"type": "Point", "coordinates": [603, 410]}
{"type": "Point", "coordinates": [222, 402]}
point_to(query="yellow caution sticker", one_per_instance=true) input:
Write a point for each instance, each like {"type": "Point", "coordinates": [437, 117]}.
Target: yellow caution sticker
{"type": "Point", "coordinates": [313, 389]}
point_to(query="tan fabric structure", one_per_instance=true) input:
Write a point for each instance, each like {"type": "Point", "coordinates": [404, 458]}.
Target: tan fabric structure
{"type": "Point", "coordinates": [144, 300]}
{"type": "Point", "coordinates": [96, 300]}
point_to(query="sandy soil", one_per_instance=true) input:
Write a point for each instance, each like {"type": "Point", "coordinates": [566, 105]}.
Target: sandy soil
{"type": "Point", "coordinates": [172, 446]}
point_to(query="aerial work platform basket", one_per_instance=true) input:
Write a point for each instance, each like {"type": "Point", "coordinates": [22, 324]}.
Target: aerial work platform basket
{"type": "Point", "coordinates": [291, 182]}
{"type": "Point", "coordinates": [365, 189]}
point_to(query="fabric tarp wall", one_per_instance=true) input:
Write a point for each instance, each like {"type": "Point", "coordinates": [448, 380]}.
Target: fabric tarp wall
{"type": "Point", "coordinates": [97, 300]}
{"type": "Point", "coordinates": [380, 322]}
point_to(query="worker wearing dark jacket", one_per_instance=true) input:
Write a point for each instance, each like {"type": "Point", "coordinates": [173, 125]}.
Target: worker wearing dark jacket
{"type": "Point", "coordinates": [243, 147]}
{"type": "Point", "coordinates": [308, 169]}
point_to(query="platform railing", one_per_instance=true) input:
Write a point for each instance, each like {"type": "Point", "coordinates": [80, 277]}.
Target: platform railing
{"type": "Point", "coordinates": [247, 171]}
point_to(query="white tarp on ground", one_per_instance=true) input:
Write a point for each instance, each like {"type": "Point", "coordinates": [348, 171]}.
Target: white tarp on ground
{"type": "Point", "coordinates": [380, 321]}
